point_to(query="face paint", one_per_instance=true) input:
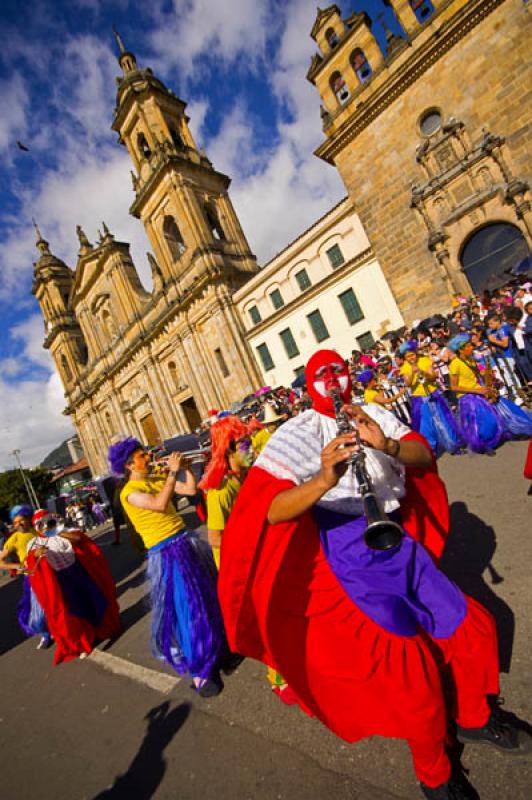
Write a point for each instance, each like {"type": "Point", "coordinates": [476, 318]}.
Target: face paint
{"type": "Point", "coordinates": [326, 370]}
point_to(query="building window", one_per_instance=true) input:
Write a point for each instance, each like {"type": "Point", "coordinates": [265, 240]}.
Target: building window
{"type": "Point", "coordinates": [173, 237]}
{"type": "Point", "coordinates": [176, 139]}
{"type": "Point", "coordinates": [213, 222]}
{"type": "Point", "coordinates": [224, 369]}
{"type": "Point", "coordinates": [339, 87]}
{"type": "Point", "coordinates": [351, 306]}
{"type": "Point", "coordinates": [430, 121]}
{"type": "Point", "coordinates": [365, 341]}
{"type": "Point", "coordinates": [332, 38]}
{"type": "Point", "coordinates": [303, 280]}
{"type": "Point", "coordinates": [277, 299]}
{"type": "Point", "coordinates": [172, 369]}
{"type": "Point", "coordinates": [67, 372]}
{"type": "Point", "coordinates": [143, 146]}
{"type": "Point", "coordinates": [423, 9]}
{"type": "Point", "coordinates": [289, 343]}
{"type": "Point", "coordinates": [254, 314]}
{"type": "Point", "coordinates": [319, 328]}
{"type": "Point", "coordinates": [361, 66]}
{"type": "Point", "coordinates": [265, 357]}
{"type": "Point", "coordinates": [335, 256]}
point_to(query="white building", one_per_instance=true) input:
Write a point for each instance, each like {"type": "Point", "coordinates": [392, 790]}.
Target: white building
{"type": "Point", "coordinates": [325, 290]}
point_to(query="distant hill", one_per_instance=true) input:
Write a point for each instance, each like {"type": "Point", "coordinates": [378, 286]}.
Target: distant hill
{"type": "Point", "coordinates": [60, 457]}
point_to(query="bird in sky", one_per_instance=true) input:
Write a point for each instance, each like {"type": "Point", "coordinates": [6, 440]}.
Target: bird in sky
{"type": "Point", "coordinates": [22, 147]}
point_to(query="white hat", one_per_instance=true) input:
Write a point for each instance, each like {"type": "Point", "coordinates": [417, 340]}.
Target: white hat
{"type": "Point", "coordinates": [270, 415]}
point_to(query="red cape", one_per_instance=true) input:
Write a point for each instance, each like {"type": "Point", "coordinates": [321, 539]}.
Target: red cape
{"type": "Point", "coordinates": [72, 634]}
{"type": "Point", "coordinates": [283, 605]}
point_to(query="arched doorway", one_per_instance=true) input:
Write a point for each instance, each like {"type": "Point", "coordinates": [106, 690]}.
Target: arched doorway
{"type": "Point", "coordinates": [492, 251]}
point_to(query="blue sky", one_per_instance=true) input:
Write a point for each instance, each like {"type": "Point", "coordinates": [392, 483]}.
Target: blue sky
{"type": "Point", "coordinates": [241, 67]}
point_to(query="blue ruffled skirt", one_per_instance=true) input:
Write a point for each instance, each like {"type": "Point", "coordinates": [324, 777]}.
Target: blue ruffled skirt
{"type": "Point", "coordinates": [30, 613]}
{"type": "Point", "coordinates": [516, 421]}
{"type": "Point", "coordinates": [187, 629]}
{"type": "Point", "coordinates": [480, 424]}
{"type": "Point", "coordinates": [432, 417]}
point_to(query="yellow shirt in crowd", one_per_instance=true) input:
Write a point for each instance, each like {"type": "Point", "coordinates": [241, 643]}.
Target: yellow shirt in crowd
{"type": "Point", "coordinates": [370, 395]}
{"type": "Point", "coordinates": [466, 376]}
{"type": "Point", "coordinates": [152, 526]}
{"type": "Point", "coordinates": [260, 439]}
{"type": "Point", "coordinates": [417, 388]}
{"type": "Point", "coordinates": [220, 502]}
{"type": "Point", "coordinates": [18, 543]}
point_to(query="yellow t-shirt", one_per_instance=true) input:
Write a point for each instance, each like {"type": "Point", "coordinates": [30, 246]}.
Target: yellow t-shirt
{"type": "Point", "coordinates": [370, 395]}
{"type": "Point", "coordinates": [18, 543]}
{"type": "Point", "coordinates": [466, 376]}
{"type": "Point", "coordinates": [260, 439]}
{"type": "Point", "coordinates": [220, 502]}
{"type": "Point", "coordinates": [417, 388]}
{"type": "Point", "coordinates": [152, 526]}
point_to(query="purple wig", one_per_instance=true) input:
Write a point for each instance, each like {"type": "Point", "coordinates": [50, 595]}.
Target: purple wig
{"type": "Point", "coordinates": [365, 377]}
{"type": "Point", "coordinates": [119, 454]}
{"type": "Point", "coordinates": [20, 511]}
{"type": "Point", "coordinates": [408, 347]}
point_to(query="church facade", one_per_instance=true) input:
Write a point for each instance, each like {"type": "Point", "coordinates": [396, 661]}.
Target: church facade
{"type": "Point", "coordinates": [432, 140]}
{"type": "Point", "coordinates": [151, 364]}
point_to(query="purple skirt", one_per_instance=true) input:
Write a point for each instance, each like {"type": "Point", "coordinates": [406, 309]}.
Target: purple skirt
{"type": "Point", "coordinates": [30, 613]}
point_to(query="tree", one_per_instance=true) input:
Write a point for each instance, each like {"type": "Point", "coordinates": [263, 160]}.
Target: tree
{"type": "Point", "coordinates": [13, 492]}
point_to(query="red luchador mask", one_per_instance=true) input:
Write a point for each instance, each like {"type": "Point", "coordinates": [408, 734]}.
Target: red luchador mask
{"type": "Point", "coordinates": [327, 370]}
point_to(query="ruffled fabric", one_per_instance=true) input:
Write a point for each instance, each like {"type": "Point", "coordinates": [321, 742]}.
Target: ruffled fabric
{"type": "Point", "coordinates": [515, 421]}
{"type": "Point", "coordinates": [432, 417]}
{"type": "Point", "coordinates": [480, 424]}
{"type": "Point", "coordinates": [30, 613]}
{"type": "Point", "coordinates": [187, 629]}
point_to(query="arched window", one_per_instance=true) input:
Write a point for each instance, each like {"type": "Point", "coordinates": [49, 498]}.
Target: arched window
{"type": "Point", "coordinates": [172, 369]}
{"type": "Point", "coordinates": [360, 64]}
{"type": "Point", "coordinates": [177, 139]}
{"type": "Point", "coordinates": [491, 252]}
{"type": "Point", "coordinates": [143, 146]}
{"type": "Point", "coordinates": [339, 87]}
{"type": "Point", "coordinates": [65, 368]}
{"type": "Point", "coordinates": [213, 222]}
{"type": "Point", "coordinates": [423, 9]}
{"type": "Point", "coordinates": [332, 38]}
{"type": "Point", "coordinates": [173, 237]}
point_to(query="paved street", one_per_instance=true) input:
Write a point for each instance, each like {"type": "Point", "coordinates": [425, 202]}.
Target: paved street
{"type": "Point", "coordinates": [120, 725]}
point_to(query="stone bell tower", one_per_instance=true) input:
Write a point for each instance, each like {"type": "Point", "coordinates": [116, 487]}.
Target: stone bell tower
{"type": "Point", "coordinates": [201, 253]}
{"type": "Point", "coordinates": [52, 286]}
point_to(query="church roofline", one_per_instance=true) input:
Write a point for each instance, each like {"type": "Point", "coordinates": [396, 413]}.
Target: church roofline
{"type": "Point", "coordinates": [317, 64]}
{"type": "Point", "coordinates": [323, 14]}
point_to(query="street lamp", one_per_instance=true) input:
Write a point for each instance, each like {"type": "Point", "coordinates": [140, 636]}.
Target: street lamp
{"type": "Point", "coordinates": [30, 491]}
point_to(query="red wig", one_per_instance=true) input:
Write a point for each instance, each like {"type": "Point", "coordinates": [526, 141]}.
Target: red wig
{"type": "Point", "coordinates": [254, 425]}
{"type": "Point", "coordinates": [226, 430]}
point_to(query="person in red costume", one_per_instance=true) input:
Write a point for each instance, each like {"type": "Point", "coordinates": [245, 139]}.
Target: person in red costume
{"type": "Point", "coordinates": [360, 635]}
{"type": "Point", "coordinates": [71, 579]}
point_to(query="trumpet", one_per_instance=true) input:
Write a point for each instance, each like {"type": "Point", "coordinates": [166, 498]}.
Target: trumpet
{"type": "Point", "coordinates": [381, 533]}
{"type": "Point", "coordinates": [199, 456]}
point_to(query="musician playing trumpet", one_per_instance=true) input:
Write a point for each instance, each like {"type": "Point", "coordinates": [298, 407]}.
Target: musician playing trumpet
{"type": "Point", "coordinates": [354, 630]}
{"type": "Point", "coordinates": [485, 418]}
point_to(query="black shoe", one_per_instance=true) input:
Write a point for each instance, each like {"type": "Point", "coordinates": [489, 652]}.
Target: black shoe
{"type": "Point", "coordinates": [212, 687]}
{"type": "Point", "coordinates": [230, 663]}
{"type": "Point", "coordinates": [451, 790]}
{"type": "Point", "coordinates": [501, 731]}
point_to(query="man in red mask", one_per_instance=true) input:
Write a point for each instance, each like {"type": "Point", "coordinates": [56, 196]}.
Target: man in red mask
{"type": "Point", "coordinates": [354, 630]}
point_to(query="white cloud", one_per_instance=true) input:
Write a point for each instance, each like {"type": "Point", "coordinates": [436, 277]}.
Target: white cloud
{"type": "Point", "coordinates": [14, 103]}
{"type": "Point", "coordinates": [31, 334]}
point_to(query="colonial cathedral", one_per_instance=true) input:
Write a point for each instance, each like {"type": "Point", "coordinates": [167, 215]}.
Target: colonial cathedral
{"type": "Point", "coordinates": [152, 364]}
{"type": "Point", "coordinates": [430, 133]}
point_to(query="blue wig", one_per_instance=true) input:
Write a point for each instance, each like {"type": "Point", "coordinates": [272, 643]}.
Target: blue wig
{"type": "Point", "coordinates": [20, 511]}
{"type": "Point", "coordinates": [408, 347]}
{"type": "Point", "coordinates": [120, 453]}
{"type": "Point", "coordinates": [457, 342]}
{"type": "Point", "coordinates": [365, 377]}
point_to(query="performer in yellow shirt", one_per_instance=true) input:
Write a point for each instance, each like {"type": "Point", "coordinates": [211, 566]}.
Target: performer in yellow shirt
{"type": "Point", "coordinates": [431, 415]}
{"type": "Point", "coordinates": [368, 379]}
{"type": "Point", "coordinates": [231, 456]}
{"type": "Point", "coordinates": [30, 614]}
{"type": "Point", "coordinates": [486, 419]}
{"type": "Point", "coordinates": [187, 629]}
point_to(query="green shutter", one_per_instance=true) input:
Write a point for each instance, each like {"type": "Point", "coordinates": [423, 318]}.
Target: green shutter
{"type": "Point", "coordinates": [303, 280]}
{"type": "Point", "coordinates": [265, 357]}
{"type": "Point", "coordinates": [351, 306]}
{"type": "Point", "coordinates": [335, 256]}
{"type": "Point", "coordinates": [289, 343]}
{"type": "Point", "coordinates": [319, 329]}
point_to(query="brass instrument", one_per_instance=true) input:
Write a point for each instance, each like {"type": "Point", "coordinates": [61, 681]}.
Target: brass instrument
{"type": "Point", "coordinates": [160, 465]}
{"type": "Point", "coordinates": [381, 533]}
{"type": "Point", "coordinates": [492, 394]}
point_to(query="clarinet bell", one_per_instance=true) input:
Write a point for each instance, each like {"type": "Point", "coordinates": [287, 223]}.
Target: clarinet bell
{"type": "Point", "coordinates": [383, 534]}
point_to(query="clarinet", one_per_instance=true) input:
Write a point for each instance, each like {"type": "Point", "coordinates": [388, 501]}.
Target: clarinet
{"type": "Point", "coordinates": [381, 533]}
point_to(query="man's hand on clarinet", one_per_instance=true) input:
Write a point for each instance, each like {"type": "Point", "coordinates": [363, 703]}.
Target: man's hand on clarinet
{"type": "Point", "coordinates": [371, 433]}
{"type": "Point", "coordinates": [334, 457]}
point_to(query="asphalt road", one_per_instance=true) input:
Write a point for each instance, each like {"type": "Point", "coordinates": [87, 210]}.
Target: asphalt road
{"type": "Point", "coordinates": [120, 724]}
